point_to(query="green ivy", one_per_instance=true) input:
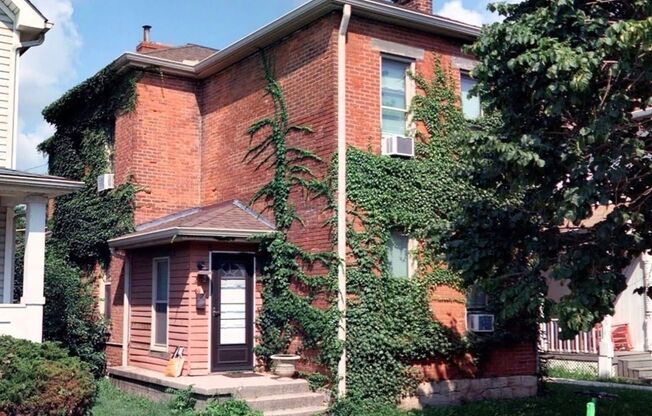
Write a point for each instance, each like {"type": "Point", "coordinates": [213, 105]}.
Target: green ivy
{"type": "Point", "coordinates": [82, 149]}
{"type": "Point", "coordinates": [390, 324]}
{"type": "Point", "coordinates": [285, 313]}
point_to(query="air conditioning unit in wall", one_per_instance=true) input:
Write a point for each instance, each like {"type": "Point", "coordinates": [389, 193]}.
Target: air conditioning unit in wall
{"type": "Point", "coordinates": [105, 182]}
{"type": "Point", "coordinates": [395, 145]}
{"type": "Point", "coordinates": [480, 322]}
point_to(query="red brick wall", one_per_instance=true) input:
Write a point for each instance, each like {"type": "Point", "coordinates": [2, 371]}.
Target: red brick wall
{"type": "Point", "coordinates": [155, 143]}
{"type": "Point", "coordinates": [117, 273]}
{"type": "Point", "coordinates": [305, 65]}
{"type": "Point", "coordinates": [186, 141]}
{"type": "Point", "coordinates": [424, 6]}
{"type": "Point", "coordinates": [363, 73]}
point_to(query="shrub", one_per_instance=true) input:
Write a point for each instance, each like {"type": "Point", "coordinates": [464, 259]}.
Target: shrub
{"type": "Point", "coordinates": [71, 316]}
{"type": "Point", "coordinates": [228, 408]}
{"type": "Point", "coordinates": [42, 379]}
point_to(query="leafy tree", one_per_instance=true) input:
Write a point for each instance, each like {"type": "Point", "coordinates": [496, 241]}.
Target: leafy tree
{"type": "Point", "coordinates": [563, 78]}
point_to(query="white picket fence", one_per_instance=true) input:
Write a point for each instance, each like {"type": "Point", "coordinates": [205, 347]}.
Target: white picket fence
{"type": "Point", "coordinates": [583, 343]}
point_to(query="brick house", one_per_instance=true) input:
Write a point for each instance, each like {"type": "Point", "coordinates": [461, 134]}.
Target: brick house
{"type": "Point", "coordinates": [185, 143]}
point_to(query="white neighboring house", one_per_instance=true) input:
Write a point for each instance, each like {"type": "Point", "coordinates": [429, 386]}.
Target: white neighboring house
{"type": "Point", "coordinates": [22, 26]}
{"type": "Point", "coordinates": [628, 332]}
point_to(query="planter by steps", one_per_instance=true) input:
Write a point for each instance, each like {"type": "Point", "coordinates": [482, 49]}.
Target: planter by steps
{"type": "Point", "coordinates": [285, 364]}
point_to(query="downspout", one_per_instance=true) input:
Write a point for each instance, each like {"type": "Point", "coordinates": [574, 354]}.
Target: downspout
{"type": "Point", "coordinates": [341, 195]}
{"type": "Point", "coordinates": [647, 323]}
{"type": "Point", "coordinates": [126, 311]}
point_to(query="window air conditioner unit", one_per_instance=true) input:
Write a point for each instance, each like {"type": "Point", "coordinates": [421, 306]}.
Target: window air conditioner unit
{"type": "Point", "coordinates": [398, 146]}
{"type": "Point", "coordinates": [105, 182]}
{"type": "Point", "coordinates": [480, 322]}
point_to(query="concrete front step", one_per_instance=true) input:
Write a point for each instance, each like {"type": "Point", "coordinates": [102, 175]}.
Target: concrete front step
{"type": "Point", "coordinates": [281, 387]}
{"type": "Point", "coordinates": [304, 411]}
{"type": "Point", "coordinates": [286, 402]}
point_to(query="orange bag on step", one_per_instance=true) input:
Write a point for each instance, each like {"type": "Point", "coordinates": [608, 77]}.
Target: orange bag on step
{"type": "Point", "coordinates": [175, 364]}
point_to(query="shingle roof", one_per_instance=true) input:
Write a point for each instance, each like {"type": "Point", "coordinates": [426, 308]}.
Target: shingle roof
{"type": "Point", "coordinates": [188, 52]}
{"type": "Point", "coordinates": [230, 219]}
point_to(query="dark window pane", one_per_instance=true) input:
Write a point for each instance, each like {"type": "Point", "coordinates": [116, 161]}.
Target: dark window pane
{"type": "Point", "coordinates": [161, 327]}
{"type": "Point", "coordinates": [162, 280]}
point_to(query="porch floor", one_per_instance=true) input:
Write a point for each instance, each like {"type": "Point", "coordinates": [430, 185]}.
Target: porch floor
{"type": "Point", "coordinates": [208, 385]}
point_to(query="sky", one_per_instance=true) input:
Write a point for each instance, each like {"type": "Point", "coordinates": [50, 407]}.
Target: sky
{"type": "Point", "coordinates": [89, 34]}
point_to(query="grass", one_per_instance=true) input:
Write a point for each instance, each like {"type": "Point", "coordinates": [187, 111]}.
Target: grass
{"type": "Point", "coordinates": [573, 374]}
{"type": "Point", "coordinates": [114, 402]}
{"type": "Point", "coordinates": [556, 400]}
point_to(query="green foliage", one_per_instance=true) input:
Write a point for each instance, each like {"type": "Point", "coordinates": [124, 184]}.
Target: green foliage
{"type": "Point", "coordinates": [70, 314]}
{"type": "Point", "coordinates": [389, 321]}
{"type": "Point", "coordinates": [81, 149]}
{"type": "Point", "coordinates": [114, 402]}
{"type": "Point", "coordinates": [355, 407]}
{"type": "Point", "coordinates": [316, 380]}
{"type": "Point", "coordinates": [285, 313]}
{"type": "Point", "coordinates": [41, 379]}
{"type": "Point", "coordinates": [182, 403]}
{"type": "Point", "coordinates": [563, 78]}
{"type": "Point", "coordinates": [228, 408]}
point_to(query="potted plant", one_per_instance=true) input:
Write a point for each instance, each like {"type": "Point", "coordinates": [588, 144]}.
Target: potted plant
{"type": "Point", "coordinates": [284, 365]}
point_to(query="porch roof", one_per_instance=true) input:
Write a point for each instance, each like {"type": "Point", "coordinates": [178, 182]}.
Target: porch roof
{"type": "Point", "coordinates": [231, 220]}
{"type": "Point", "coordinates": [19, 183]}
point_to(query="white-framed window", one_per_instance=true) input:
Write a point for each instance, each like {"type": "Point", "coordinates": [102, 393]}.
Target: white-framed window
{"type": "Point", "coordinates": [470, 104]}
{"type": "Point", "coordinates": [160, 295]}
{"type": "Point", "coordinates": [401, 263]}
{"type": "Point", "coordinates": [396, 92]}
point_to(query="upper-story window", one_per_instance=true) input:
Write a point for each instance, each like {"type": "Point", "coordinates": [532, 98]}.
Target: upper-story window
{"type": "Point", "coordinates": [395, 99]}
{"type": "Point", "coordinates": [470, 105]}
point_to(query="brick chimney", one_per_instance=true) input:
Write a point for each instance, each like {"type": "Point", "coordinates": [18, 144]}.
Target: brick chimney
{"type": "Point", "coordinates": [146, 45]}
{"type": "Point", "coordinates": [423, 6]}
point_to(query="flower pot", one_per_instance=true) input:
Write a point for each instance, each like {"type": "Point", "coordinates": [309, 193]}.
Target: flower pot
{"type": "Point", "coordinates": [285, 364]}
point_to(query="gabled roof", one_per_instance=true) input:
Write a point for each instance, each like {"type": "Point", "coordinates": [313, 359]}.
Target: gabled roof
{"type": "Point", "coordinates": [188, 52]}
{"type": "Point", "coordinates": [227, 220]}
{"type": "Point", "coordinates": [293, 21]}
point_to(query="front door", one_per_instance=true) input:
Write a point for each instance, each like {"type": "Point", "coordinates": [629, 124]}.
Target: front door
{"type": "Point", "coordinates": [233, 310]}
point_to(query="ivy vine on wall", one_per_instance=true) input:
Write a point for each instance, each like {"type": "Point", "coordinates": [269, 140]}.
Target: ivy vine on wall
{"type": "Point", "coordinates": [285, 313]}
{"type": "Point", "coordinates": [389, 320]}
{"type": "Point", "coordinates": [82, 222]}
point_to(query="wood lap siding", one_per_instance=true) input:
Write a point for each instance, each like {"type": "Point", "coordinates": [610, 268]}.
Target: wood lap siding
{"type": "Point", "coordinates": [7, 68]}
{"type": "Point", "coordinates": [140, 353]}
{"type": "Point", "coordinates": [3, 232]}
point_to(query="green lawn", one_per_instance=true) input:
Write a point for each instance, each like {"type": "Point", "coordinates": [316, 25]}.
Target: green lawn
{"type": "Point", "coordinates": [557, 400]}
{"type": "Point", "coordinates": [113, 402]}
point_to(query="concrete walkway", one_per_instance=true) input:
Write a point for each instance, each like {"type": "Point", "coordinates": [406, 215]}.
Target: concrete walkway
{"type": "Point", "coordinates": [209, 385]}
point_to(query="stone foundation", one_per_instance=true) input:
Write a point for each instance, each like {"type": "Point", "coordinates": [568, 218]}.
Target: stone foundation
{"type": "Point", "coordinates": [467, 390]}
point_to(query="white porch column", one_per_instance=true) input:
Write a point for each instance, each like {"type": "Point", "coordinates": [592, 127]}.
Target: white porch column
{"type": "Point", "coordinates": [606, 350]}
{"type": "Point", "coordinates": [647, 282]}
{"type": "Point", "coordinates": [34, 267]}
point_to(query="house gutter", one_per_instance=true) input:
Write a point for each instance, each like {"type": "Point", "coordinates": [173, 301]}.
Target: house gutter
{"type": "Point", "coordinates": [341, 195]}
{"type": "Point", "coordinates": [169, 235]}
